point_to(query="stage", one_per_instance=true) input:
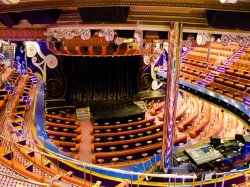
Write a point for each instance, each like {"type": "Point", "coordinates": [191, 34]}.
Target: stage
{"type": "Point", "coordinates": [114, 113]}
{"type": "Point", "coordinates": [120, 110]}
{"type": "Point", "coordinates": [151, 95]}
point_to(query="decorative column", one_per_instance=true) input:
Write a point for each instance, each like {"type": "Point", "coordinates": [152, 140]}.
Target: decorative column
{"type": "Point", "coordinates": [172, 84]}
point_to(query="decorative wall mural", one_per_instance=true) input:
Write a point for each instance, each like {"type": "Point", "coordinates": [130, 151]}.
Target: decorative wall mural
{"type": "Point", "coordinates": [40, 60]}
{"type": "Point", "coordinates": [50, 61]}
{"type": "Point", "coordinates": [242, 40]}
{"type": "Point", "coordinates": [20, 62]}
{"type": "Point", "coordinates": [147, 74]}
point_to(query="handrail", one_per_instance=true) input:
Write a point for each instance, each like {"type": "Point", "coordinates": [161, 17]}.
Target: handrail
{"type": "Point", "coordinates": [223, 174]}
{"type": "Point", "coordinates": [233, 172]}
{"type": "Point", "coordinates": [24, 179]}
{"type": "Point", "coordinates": [74, 161]}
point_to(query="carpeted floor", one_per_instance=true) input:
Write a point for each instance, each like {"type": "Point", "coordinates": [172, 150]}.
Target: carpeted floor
{"type": "Point", "coordinates": [85, 153]}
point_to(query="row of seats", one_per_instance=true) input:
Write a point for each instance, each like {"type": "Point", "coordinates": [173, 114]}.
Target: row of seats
{"type": "Point", "coordinates": [217, 45]}
{"type": "Point", "coordinates": [127, 134]}
{"type": "Point", "coordinates": [233, 78]}
{"type": "Point", "coordinates": [202, 57]}
{"type": "Point", "coordinates": [201, 64]}
{"type": "Point", "coordinates": [216, 127]}
{"type": "Point", "coordinates": [124, 127]}
{"type": "Point", "coordinates": [238, 72]}
{"type": "Point", "coordinates": [232, 81]}
{"type": "Point", "coordinates": [64, 132]}
{"type": "Point", "coordinates": [190, 78]}
{"type": "Point", "coordinates": [124, 143]}
{"type": "Point", "coordinates": [227, 91]}
{"type": "Point", "coordinates": [205, 118]}
{"type": "Point", "coordinates": [242, 64]}
{"type": "Point", "coordinates": [66, 112]}
{"type": "Point", "coordinates": [183, 124]}
{"type": "Point", "coordinates": [189, 70]}
{"type": "Point", "coordinates": [195, 62]}
{"type": "Point", "coordinates": [21, 160]}
{"type": "Point", "coordinates": [217, 52]}
{"type": "Point", "coordinates": [119, 120]}
{"type": "Point", "coordinates": [179, 114]}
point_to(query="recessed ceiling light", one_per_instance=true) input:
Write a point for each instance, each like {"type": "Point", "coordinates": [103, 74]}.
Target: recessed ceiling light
{"type": "Point", "coordinates": [11, 2]}
{"type": "Point", "coordinates": [223, 1]}
{"type": "Point", "coordinates": [228, 1]}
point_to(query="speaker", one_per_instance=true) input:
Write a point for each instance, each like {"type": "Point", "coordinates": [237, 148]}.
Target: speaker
{"type": "Point", "coordinates": [45, 16]}
{"type": "Point", "coordinates": [10, 19]}
{"type": "Point", "coordinates": [215, 141]}
{"type": "Point", "coordinates": [229, 20]}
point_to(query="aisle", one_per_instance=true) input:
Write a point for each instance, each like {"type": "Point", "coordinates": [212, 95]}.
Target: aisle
{"type": "Point", "coordinates": [85, 153]}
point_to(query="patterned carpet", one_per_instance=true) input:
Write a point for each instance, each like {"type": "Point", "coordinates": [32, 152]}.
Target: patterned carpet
{"type": "Point", "coordinates": [85, 149]}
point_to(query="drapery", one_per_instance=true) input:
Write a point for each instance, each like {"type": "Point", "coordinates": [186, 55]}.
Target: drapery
{"type": "Point", "coordinates": [101, 79]}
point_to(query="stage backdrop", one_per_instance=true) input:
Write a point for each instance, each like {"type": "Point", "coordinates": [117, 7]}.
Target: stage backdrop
{"type": "Point", "coordinates": [101, 79]}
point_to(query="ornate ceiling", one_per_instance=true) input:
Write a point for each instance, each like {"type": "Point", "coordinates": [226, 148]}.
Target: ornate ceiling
{"type": "Point", "coordinates": [143, 14]}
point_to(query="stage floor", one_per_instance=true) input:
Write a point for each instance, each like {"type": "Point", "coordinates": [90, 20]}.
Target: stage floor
{"type": "Point", "coordinates": [115, 111]}
{"type": "Point", "coordinates": [151, 94]}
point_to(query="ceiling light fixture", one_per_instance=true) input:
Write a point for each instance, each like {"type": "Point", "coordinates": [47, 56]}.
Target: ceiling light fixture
{"type": "Point", "coordinates": [11, 2]}
{"type": "Point", "coordinates": [229, 1]}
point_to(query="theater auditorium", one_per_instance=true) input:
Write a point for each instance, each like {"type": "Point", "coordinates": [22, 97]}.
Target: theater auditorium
{"type": "Point", "coordinates": [124, 93]}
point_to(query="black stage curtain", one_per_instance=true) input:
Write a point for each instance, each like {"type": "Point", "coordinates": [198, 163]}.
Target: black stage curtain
{"type": "Point", "coordinates": [101, 79]}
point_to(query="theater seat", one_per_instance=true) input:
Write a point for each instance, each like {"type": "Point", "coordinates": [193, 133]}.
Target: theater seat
{"type": "Point", "coordinates": [240, 86]}
{"type": "Point", "coordinates": [230, 83]}
{"type": "Point", "coordinates": [240, 74]}
{"type": "Point", "coordinates": [247, 75]}
{"type": "Point", "coordinates": [229, 71]}
{"type": "Point", "coordinates": [219, 91]}
{"type": "Point", "coordinates": [238, 99]}
{"type": "Point", "coordinates": [220, 80]}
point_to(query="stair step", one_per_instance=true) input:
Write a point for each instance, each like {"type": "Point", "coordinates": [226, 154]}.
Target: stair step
{"type": "Point", "coordinates": [221, 70]}
{"type": "Point", "coordinates": [141, 104]}
{"type": "Point", "coordinates": [210, 75]}
{"type": "Point", "coordinates": [206, 81]}
{"type": "Point", "coordinates": [83, 113]}
{"type": "Point", "coordinates": [201, 84]}
{"type": "Point", "coordinates": [209, 79]}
